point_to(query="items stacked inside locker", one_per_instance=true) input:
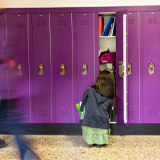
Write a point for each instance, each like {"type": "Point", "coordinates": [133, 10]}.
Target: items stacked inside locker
{"type": "Point", "coordinates": [107, 49]}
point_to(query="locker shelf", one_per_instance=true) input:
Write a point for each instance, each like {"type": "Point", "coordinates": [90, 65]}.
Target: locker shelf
{"type": "Point", "coordinates": [106, 42]}
{"type": "Point", "coordinates": [106, 37]}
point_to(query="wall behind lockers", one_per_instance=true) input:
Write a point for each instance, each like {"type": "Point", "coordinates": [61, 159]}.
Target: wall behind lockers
{"type": "Point", "coordinates": [74, 3]}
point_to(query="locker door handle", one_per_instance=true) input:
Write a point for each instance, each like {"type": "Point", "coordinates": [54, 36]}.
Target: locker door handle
{"type": "Point", "coordinates": [41, 69]}
{"type": "Point", "coordinates": [129, 68]}
{"type": "Point", "coordinates": [62, 69]}
{"type": "Point", "coordinates": [19, 69]}
{"type": "Point", "coordinates": [84, 69]}
{"type": "Point", "coordinates": [151, 67]}
{"type": "Point", "coordinates": [121, 69]}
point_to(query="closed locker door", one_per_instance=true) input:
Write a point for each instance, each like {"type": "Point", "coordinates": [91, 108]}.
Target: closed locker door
{"type": "Point", "coordinates": [133, 66]}
{"type": "Point", "coordinates": [3, 67]}
{"type": "Point", "coordinates": [150, 75]}
{"type": "Point", "coordinates": [16, 48]}
{"type": "Point", "coordinates": [62, 53]}
{"type": "Point", "coordinates": [85, 53]}
{"type": "Point", "coordinates": [41, 68]}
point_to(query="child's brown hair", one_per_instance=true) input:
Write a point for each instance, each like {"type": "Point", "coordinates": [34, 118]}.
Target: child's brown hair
{"type": "Point", "coordinates": [105, 84]}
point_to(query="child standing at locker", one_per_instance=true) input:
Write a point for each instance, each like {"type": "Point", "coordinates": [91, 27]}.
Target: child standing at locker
{"type": "Point", "coordinates": [96, 104]}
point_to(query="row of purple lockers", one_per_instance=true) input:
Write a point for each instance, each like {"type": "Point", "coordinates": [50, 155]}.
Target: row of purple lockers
{"type": "Point", "coordinates": [143, 49]}
{"type": "Point", "coordinates": [50, 40]}
{"type": "Point", "coordinates": [72, 39]}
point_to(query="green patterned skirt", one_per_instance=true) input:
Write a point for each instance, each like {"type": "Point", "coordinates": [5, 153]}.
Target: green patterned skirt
{"type": "Point", "coordinates": [95, 135]}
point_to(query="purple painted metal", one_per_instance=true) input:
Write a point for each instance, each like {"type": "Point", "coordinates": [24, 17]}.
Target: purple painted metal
{"type": "Point", "coordinates": [119, 57]}
{"type": "Point", "coordinates": [3, 67]}
{"type": "Point", "coordinates": [150, 50]}
{"type": "Point", "coordinates": [41, 55]}
{"type": "Point", "coordinates": [149, 110]}
{"type": "Point", "coordinates": [133, 58]}
{"type": "Point", "coordinates": [85, 52]}
{"type": "Point", "coordinates": [76, 115]}
{"type": "Point", "coordinates": [17, 45]}
{"type": "Point", "coordinates": [30, 47]}
{"type": "Point", "coordinates": [96, 42]}
{"type": "Point", "coordinates": [62, 30]}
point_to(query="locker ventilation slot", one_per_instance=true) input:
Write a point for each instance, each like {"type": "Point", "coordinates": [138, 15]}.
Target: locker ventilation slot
{"type": "Point", "coordinates": [85, 22]}
{"type": "Point", "coordinates": [19, 24]}
{"type": "Point", "coordinates": [152, 113]}
{"type": "Point", "coordinates": [63, 113]}
{"type": "Point", "coordinates": [130, 21]}
{"type": "Point", "coordinates": [152, 21]}
{"type": "Point", "coordinates": [131, 113]}
{"type": "Point", "coordinates": [17, 112]}
{"type": "Point", "coordinates": [40, 23]}
{"type": "Point", "coordinates": [43, 113]}
{"type": "Point", "coordinates": [63, 23]}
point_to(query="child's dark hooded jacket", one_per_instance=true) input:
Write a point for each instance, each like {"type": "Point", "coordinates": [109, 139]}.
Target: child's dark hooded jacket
{"type": "Point", "coordinates": [97, 108]}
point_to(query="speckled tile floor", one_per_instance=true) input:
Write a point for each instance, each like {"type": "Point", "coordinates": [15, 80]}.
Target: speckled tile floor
{"type": "Point", "coordinates": [59, 147]}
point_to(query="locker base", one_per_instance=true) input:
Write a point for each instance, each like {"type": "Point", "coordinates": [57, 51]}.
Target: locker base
{"type": "Point", "coordinates": [75, 129]}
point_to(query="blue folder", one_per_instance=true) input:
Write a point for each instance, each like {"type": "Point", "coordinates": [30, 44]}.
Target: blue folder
{"type": "Point", "coordinates": [108, 26]}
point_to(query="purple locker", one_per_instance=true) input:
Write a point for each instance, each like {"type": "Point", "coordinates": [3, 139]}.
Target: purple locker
{"type": "Point", "coordinates": [149, 83]}
{"type": "Point", "coordinates": [3, 67]}
{"type": "Point", "coordinates": [96, 44]}
{"type": "Point", "coordinates": [133, 59]}
{"type": "Point", "coordinates": [18, 72]}
{"type": "Point", "coordinates": [2, 30]}
{"type": "Point", "coordinates": [85, 52]}
{"type": "Point", "coordinates": [122, 112]}
{"type": "Point", "coordinates": [41, 68]}
{"type": "Point", "coordinates": [62, 51]}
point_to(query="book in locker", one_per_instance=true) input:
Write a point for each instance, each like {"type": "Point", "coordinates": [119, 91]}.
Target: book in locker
{"type": "Point", "coordinates": [100, 25]}
{"type": "Point", "coordinates": [108, 26]}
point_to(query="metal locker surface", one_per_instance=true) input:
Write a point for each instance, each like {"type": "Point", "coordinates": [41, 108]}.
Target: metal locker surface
{"type": "Point", "coordinates": [3, 67]}
{"type": "Point", "coordinates": [150, 49]}
{"type": "Point", "coordinates": [63, 66]}
{"type": "Point", "coordinates": [133, 58]}
{"type": "Point", "coordinates": [122, 58]}
{"type": "Point", "coordinates": [84, 52]}
{"type": "Point", "coordinates": [17, 51]}
{"type": "Point", "coordinates": [41, 57]}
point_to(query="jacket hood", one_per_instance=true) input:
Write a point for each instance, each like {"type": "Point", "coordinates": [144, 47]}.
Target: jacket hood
{"type": "Point", "coordinates": [99, 97]}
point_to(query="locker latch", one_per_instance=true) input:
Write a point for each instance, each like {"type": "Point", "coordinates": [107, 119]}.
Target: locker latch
{"type": "Point", "coordinates": [19, 69]}
{"type": "Point", "coordinates": [121, 69]}
{"type": "Point", "coordinates": [62, 69]}
{"type": "Point", "coordinates": [129, 68]}
{"type": "Point", "coordinates": [151, 68]}
{"type": "Point", "coordinates": [84, 69]}
{"type": "Point", "coordinates": [41, 69]}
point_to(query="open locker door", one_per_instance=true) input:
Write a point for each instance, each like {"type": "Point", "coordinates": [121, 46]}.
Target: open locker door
{"type": "Point", "coordinates": [122, 67]}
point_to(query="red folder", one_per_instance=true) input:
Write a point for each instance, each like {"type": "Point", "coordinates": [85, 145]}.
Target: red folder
{"type": "Point", "coordinates": [101, 25]}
